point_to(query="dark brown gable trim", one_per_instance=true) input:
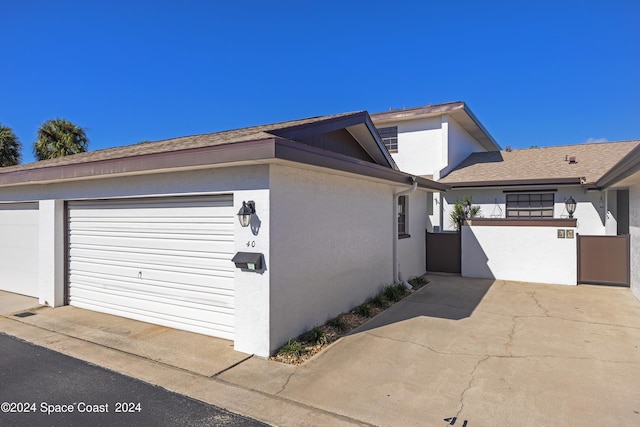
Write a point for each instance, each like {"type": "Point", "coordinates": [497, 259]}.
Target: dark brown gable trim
{"type": "Point", "coordinates": [252, 151]}
{"type": "Point", "coordinates": [626, 167]}
{"type": "Point", "coordinates": [296, 152]}
{"type": "Point", "coordinates": [247, 151]}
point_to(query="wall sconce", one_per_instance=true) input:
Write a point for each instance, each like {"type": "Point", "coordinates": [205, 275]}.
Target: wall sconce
{"type": "Point", "coordinates": [466, 207]}
{"type": "Point", "coordinates": [245, 213]}
{"type": "Point", "coordinates": [571, 206]}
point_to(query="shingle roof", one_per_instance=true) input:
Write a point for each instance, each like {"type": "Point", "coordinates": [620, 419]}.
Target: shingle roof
{"type": "Point", "coordinates": [173, 144]}
{"type": "Point", "coordinates": [592, 161]}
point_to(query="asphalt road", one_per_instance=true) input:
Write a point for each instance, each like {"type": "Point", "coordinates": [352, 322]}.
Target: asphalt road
{"type": "Point", "coordinates": [40, 387]}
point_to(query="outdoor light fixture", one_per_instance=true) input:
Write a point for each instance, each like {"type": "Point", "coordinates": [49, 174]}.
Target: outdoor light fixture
{"type": "Point", "coordinates": [571, 206]}
{"type": "Point", "coordinates": [466, 207]}
{"type": "Point", "coordinates": [247, 210]}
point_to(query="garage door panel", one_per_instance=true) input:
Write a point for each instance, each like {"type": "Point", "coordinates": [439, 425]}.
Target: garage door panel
{"type": "Point", "coordinates": [165, 261]}
{"type": "Point", "coordinates": [168, 274]}
{"type": "Point", "coordinates": [173, 300]}
{"type": "Point", "coordinates": [19, 262]}
{"type": "Point", "coordinates": [197, 244]}
{"type": "Point", "coordinates": [215, 265]}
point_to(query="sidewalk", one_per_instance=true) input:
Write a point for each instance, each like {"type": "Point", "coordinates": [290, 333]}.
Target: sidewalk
{"type": "Point", "coordinates": [486, 352]}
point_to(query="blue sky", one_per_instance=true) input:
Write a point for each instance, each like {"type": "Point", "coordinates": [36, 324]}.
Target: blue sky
{"type": "Point", "coordinates": [534, 73]}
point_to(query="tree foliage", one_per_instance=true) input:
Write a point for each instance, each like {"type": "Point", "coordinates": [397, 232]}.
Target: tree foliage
{"type": "Point", "coordinates": [58, 138]}
{"type": "Point", "coordinates": [457, 215]}
{"type": "Point", "coordinates": [9, 147]}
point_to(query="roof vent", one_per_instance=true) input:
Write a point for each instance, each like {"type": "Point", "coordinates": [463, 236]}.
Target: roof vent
{"type": "Point", "coordinates": [508, 148]}
{"type": "Point", "coordinates": [572, 160]}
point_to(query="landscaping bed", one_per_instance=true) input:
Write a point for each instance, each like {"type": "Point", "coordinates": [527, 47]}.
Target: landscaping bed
{"type": "Point", "coordinates": [301, 349]}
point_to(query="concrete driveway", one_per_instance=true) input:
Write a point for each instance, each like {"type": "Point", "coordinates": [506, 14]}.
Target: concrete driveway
{"type": "Point", "coordinates": [488, 353]}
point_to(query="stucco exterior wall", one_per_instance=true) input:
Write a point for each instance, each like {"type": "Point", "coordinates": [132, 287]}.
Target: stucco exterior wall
{"type": "Point", "coordinates": [333, 247]}
{"type": "Point", "coordinates": [245, 183]}
{"type": "Point", "coordinates": [634, 231]}
{"type": "Point", "coordinates": [492, 202]}
{"type": "Point", "coordinates": [461, 145]}
{"type": "Point", "coordinates": [411, 253]}
{"type": "Point", "coordinates": [420, 146]}
{"type": "Point", "coordinates": [526, 254]}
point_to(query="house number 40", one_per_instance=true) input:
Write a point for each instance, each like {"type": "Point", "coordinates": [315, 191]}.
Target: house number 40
{"type": "Point", "coordinates": [251, 243]}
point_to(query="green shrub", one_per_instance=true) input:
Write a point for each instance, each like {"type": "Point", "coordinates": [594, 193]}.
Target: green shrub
{"type": "Point", "coordinates": [337, 323]}
{"type": "Point", "coordinates": [292, 348]}
{"type": "Point", "coordinates": [394, 292]}
{"type": "Point", "coordinates": [379, 301]}
{"type": "Point", "coordinates": [363, 310]}
{"type": "Point", "coordinates": [315, 336]}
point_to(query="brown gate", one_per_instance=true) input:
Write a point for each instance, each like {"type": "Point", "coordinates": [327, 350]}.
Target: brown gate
{"type": "Point", "coordinates": [604, 260]}
{"type": "Point", "coordinates": [443, 252]}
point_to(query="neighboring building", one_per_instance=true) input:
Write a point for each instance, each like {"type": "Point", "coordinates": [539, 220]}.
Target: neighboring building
{"type": "Point", "coordinates": [430, 141]}
{"type": "Point", "coordinates": [536, 182]}
{"type": "Point", "coordinates": [148, 231]}
{"type": "Point", "coordinates": [522, 196]}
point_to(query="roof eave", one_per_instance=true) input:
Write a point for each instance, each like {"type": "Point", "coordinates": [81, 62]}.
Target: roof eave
{"type": "Point", "coordinates": [458, 110]}
{"type": "Point", "coordinates": [247, 152]}
{"type": "Point", "coordinates": [626, 167]}
{"type": "Point", "coordinates": [518, 183]}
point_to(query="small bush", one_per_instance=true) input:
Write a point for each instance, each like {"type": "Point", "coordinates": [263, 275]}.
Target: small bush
{"type": "Point", "coordinates": [363, 310]}
{"type": "Point", "coordinates": [292, 348]}
{"type": "Point", "coordinates": [394, 292]}
{"type": "Point", "coordinates": [315, 336]}
{"type": "Point", "coordinates": [379, 301]}
{"type": "Point", "coordinates": [337, 323]}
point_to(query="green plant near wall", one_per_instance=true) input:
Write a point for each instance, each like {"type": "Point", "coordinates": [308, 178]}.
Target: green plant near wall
{"type": "Point", "coordinates": [457, 215]}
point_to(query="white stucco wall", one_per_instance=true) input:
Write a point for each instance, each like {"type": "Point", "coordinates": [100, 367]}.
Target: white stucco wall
{"type": "Point", "coordinates": [634, 231]}
{"type": "Point", "coordinates": [492, 202]}
{"type": "Point", "coordinates": [527, 254]}
{"type": "Point", "coordinates": [245, 183]}
{"type": "Point", "coordinates": [420, 146]}
{"type": "Point", "coordinates": [461, 145]}
{"type": "Point", "coordinates": [333, 248]}
{"type": "Point", "coordinates": [412, 254]}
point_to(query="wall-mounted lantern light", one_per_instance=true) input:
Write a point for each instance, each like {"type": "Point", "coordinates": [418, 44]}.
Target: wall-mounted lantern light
{"type": "Point", "coordinates": [466, 207]}
{"type": "Point", "coordinates": [247, 210]}
{"type": "Point", "coordinates": [571, 206]}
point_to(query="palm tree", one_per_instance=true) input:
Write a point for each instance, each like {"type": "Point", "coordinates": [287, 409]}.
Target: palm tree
{"type": "Point", "coordinates": [9, 147]}
{"type": "Point", "coordinates": [59, 137]}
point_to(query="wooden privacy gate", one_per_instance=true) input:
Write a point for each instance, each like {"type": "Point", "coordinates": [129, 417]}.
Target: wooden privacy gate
{"type": "Point", "coordinates": [443, 252]}
{"type": "Point", "coordinates": [604, 260]}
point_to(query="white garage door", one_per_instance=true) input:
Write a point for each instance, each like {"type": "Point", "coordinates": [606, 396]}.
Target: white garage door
{"type": "Point", "coordinates": [19, 248]}
{"type": "Point", "coordinates": [160, 260]}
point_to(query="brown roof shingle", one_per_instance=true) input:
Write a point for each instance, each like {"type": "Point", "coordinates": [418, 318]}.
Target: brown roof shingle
{"type": "Point", "coordinates": [173, 144]}
{"type": "Point", "coordinates": [592, 162]}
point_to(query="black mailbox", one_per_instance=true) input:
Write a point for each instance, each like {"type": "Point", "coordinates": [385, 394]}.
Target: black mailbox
{"type": "Point", "coordinates": [248, 260]}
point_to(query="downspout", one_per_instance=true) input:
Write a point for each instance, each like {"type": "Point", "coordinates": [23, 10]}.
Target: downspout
{"type": "Point", "coordinates": [396, 266]}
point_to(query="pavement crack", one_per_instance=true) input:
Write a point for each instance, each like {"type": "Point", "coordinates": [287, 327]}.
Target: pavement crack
{"type": "Point", "coordinates": [546, 312]}
{"type": "Point", "coordinates": [473, 378]}
{"type": "Point", "coordinates": [512, 332]}
{"type": "Point", "coordinates": [284, 386]}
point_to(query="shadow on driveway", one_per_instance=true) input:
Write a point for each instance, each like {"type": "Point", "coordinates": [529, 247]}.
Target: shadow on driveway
{"type": "Point", "coordinates": [445, 299]}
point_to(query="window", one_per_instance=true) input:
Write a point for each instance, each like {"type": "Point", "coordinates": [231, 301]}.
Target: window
{"type": "Point", "coordinates": [403, 206]}
{"type": "Point", "coordinates": [530, 205]}
{"type": "Point", "coordinates": [390, 138]}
